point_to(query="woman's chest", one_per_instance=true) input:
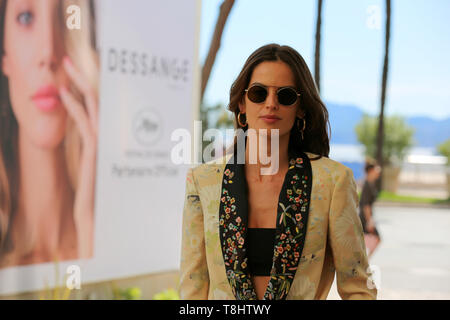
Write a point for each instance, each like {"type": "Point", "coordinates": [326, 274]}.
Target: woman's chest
{"type": "Point", "coordinates": [263, 203]}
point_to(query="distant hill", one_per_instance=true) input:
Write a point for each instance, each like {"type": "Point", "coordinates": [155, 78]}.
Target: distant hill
{"type": "Point", "coordinates": [430, 132]}
{"type": "Point", "coordinates": [343, 119]}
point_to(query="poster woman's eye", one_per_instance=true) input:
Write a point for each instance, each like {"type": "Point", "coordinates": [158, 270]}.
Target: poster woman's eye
{"type": "Point", "coordinates": [25, 18]}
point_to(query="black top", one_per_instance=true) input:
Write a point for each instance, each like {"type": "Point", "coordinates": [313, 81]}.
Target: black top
{"type": "Point", "coordinates": [260, 246]}
{"type": "Point", "coordinates": [368, 196]}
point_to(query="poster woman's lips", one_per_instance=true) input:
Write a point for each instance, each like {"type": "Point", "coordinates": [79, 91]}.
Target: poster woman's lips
{"type": "Point", "coordinates": [47, 98]}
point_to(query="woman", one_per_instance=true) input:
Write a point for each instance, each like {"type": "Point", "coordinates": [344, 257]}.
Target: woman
{"type": "Point", "coordinates": [252, 236]}
{"type": "Point", "coordinates": [48, 132]}
{"type": "Point", "coordinates": [368, 197]}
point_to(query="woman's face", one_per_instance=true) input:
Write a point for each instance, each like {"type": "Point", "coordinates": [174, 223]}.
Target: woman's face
{"type": "Point", "coordinates": [34, 49]}
{"type": "Point", "coordinates": [374, 174]}
{"type": "Point", "coordinates": [273, 75]}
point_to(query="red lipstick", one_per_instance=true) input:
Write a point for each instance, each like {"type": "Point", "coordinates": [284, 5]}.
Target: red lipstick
{"type": "Point", "coordinates": [47, 98]}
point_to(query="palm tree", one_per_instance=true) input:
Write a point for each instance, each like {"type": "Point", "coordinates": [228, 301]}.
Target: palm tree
{"type": "Point", "coordinates": [317, 50]}
{"type": "Point", "coordinates": [380, 133]}
{"type": "Point", "coordinates": [225, 9]}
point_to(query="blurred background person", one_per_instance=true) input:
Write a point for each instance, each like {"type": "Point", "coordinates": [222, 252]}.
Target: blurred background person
{"type": "Point", "coordinates": [368, 196]}
{"type": "Point", "coordinates": [48, 132]}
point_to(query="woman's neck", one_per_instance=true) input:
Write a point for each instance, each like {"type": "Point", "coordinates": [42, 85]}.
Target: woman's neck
{"type": "Point", "coordinates": [45, 197]}
{"type": "Point", "coordinates": [267, 159]}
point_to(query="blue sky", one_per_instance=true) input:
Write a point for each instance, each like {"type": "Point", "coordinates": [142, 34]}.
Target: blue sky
{"type": "Point", "coordinates": [352, 52]}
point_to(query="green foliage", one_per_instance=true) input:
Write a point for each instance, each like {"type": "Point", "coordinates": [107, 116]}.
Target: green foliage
{"type": "Point", "coordinates": [132, 293]}
{"type": "Point", "coordinates": [59, 292]}
{"type": "Point", "coordinates": [444, 149]}
{"type": "Point", "coordinates": [398, 137]}
{"type": "Point", "coordinates": [169, 294]}
{"type": "Point", "coordinates": [392, 197]}
{"type": "Point", "coordinates": [206, 112]}
{"type": "Point", "coordinates": [225, 120]}
{"type": "Point", "coordinates": [223, 116]}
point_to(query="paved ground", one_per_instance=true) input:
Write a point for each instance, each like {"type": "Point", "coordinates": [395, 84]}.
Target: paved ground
{"type": "Point", "coordinates": [414, 256]}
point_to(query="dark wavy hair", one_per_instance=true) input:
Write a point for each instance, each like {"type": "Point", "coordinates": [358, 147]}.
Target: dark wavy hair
{"type": "Point", "coordinates": [316, 135]}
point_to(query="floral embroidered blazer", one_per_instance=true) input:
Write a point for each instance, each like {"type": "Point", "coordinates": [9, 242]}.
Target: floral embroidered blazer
{"type": "Point", "coordinates": [318, 233]}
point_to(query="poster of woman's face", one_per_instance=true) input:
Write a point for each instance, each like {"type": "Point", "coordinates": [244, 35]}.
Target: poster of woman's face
{"type": "Point", "coordinates": [48, 131]}
{"type": "Point", "coordinates": [90, 94]}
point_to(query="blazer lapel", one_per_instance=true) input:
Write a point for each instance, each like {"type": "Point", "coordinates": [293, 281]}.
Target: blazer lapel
{"type": "Point", "coordinates": [233, 221]}
{"type": "Point", "coordinates": [292, 219]}
{"type": "Point", "coordinates": [292, 216]}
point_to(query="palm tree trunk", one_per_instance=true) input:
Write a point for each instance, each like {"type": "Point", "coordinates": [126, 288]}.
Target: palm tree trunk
{"type": "Point", "coordinates": [317, 50]}
{"type": "Point", "coordinates": [225, 9]}
{"type": "Point", "coordinates": [380, 133]}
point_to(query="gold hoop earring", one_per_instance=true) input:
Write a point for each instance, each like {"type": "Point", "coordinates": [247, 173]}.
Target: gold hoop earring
{"type": "Point", "coordinates": [239, 120]}
{"type": "Point", "coordinates": [304, 126]}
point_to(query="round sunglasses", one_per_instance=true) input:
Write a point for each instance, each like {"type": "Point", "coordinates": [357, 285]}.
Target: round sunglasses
{"type": "Point", "coordinates": [287, 96]}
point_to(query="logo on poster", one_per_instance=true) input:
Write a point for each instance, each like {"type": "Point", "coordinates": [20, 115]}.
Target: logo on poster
{"type": "Point", "coordinates": [147, 127]}
{"type": "Point", "coordinates": [176, 70]}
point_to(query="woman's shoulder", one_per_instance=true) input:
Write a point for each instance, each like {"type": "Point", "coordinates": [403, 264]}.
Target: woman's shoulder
{"type": "Point", "coordinates": [211, 170]}
{"type": "Point", "coordinates": [323, 168]}
{"type": "Point", "coordinates": [328, 168]}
